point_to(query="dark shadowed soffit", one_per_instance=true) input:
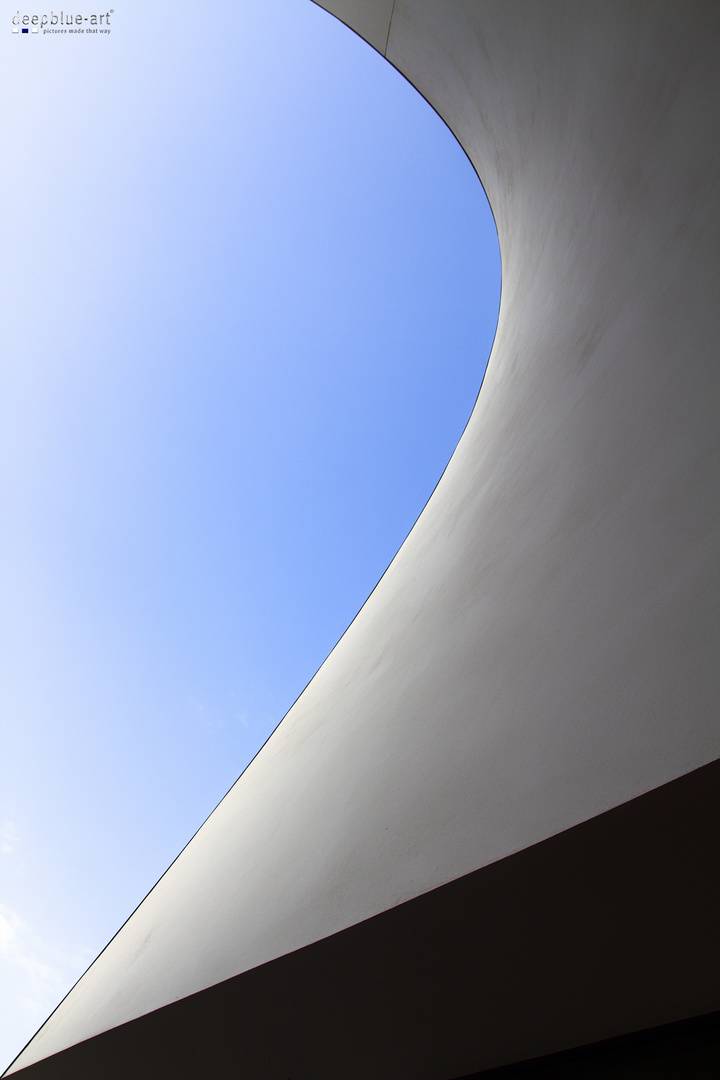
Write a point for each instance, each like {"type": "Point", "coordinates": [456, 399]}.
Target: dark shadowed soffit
{"type": "Point", "coordinates": [688, 1049]}
{"type": "Point", "coordinates": [606, 929]}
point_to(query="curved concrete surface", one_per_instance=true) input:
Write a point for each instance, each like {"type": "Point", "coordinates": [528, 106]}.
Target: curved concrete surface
{"type": "Point", "coordinates": [545, 645]}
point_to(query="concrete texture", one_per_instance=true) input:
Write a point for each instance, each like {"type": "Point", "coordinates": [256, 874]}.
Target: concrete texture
{"type": "Point", "coordinates": [545, 645]}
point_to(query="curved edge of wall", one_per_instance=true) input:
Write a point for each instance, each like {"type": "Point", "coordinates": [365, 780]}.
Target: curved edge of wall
{"type": "Point", "coordinates": [544, 647]}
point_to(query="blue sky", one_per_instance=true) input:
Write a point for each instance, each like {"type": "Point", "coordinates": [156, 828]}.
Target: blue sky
{"type": "Point", "coordinates": [249, 287]}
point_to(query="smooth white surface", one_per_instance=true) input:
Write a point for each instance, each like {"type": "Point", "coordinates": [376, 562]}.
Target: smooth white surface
{"type": "Point", "coordinates": [545, 644]}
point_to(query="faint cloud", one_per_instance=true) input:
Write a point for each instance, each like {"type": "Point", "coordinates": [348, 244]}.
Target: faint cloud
{"type": "Point", "coordinates": [203, 715]}
{"type": "Point", "coordinates": [35, 978]}
{"type": "Point", "coordinates": [10, 845]}
{"type": "Point", "coordinates": [9, 839]}
{"type": "Point", "coordinates": [20, 948]}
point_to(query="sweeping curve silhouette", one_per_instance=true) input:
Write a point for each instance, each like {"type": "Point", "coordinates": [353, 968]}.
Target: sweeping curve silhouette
{"type": "Point", "coordinates": [528, 700]}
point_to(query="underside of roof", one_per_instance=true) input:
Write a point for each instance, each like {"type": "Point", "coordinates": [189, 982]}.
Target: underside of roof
{"type": "Point", "coordinates": [487, 831]}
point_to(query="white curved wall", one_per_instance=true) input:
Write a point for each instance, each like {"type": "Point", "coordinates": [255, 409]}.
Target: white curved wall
{"type": "Point", "coordinates": [544, 646]}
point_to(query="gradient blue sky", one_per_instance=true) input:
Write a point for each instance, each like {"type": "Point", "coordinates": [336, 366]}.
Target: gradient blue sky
{"type": "Point", "coordinates": [249, 287]}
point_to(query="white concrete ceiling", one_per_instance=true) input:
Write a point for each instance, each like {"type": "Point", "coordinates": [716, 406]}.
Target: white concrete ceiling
{"type": "Point", "coordinates": [545, 645]}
